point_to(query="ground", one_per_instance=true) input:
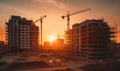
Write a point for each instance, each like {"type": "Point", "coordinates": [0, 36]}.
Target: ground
{"type": "Point", "coordinates": [40, 62]}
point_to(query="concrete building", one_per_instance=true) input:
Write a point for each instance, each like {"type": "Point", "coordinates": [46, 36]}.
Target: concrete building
{"type": "Point", "coordinates": [117, 50]}
{"type": "Point", "coordinates": [47, 46]}
{"type": "Point", "coordinates": [21, 34]}
{"type": "Point", "coordinates": [58, 44]}
{"type": "Point", "coordinates": [90, 39]}
{"type": "Point", "coordinates": [67, 43]}
{"type": "Point", "coordinates": [2, 47]}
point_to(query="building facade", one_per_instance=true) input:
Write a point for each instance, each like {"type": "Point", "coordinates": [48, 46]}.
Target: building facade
{"type": "Point", "coordinates": [21, 34]}
{"type": "Point", "coordinates": [2, 48]}
{"type": "Point", "coordinates": [58, 44]}
{"type": "Point", "coordinates": [47, 46]}
{"type": "Point", "coordinates": [90, 39]}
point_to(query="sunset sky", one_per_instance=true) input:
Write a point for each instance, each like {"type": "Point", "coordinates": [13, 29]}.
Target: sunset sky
{"type": "Point", "coordinates": [53, 24]}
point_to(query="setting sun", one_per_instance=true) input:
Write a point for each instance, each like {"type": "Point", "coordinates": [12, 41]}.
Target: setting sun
{"type": "Point", "coordinates": [52, 38]}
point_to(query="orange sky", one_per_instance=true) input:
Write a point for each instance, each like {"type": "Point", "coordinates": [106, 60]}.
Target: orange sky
{"type": "Point", "coordinates": [53, 24]}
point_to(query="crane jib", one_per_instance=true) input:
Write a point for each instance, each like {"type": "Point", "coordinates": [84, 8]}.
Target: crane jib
{"type": "Point", "coordinates": [77, 12]}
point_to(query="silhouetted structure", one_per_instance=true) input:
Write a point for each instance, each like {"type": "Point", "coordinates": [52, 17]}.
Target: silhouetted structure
{"type": "Point", "coordinates": [47, 46]}
{"type": "Point", "coordinates": [2, 44]}
{"type": "Point", "coordinates": [58, 44]}
{"type": "Point", "coordinates": [90, 39]}
{"type": "Point", "coordinates": [22, 34]}
{"type": "Point", "coordinates": [2, 47]}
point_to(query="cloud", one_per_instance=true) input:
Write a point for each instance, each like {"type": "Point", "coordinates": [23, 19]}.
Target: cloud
{"type": "Point", "coordinates": [55, 3]}
{"type": "Point", "coordinates": [8, 10]}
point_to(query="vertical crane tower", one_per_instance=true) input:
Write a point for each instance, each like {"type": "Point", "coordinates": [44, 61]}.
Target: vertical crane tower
{"type": "Point", "coordinates": [68, 16]}
{"type": "Point", "coordinates": [41, 21]}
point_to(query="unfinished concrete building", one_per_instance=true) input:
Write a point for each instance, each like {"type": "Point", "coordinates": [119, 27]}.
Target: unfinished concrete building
{"type": "Point", "coordinates": [90, 39]}
{"type": "Point", "coordinates": [21, 34]}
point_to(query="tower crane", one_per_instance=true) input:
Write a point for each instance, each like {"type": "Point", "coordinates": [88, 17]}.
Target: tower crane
{"type": "Point", "coordinates": [41, 21]}
{"type": "Point", "coordinates": [68, 16]}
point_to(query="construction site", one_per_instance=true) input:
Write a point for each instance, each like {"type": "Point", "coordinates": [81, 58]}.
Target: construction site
{"type": "Point", "coordinates": [89, 45]}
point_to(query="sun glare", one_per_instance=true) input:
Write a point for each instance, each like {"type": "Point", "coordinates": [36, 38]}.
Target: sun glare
{"type": "Point", "coordinates": [52, 38]}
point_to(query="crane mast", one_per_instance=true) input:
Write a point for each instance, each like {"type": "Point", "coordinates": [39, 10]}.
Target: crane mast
{"type": "Point", "coordinates": [68, 16]}
{"type": "Point", "coordinates": [41, 21]}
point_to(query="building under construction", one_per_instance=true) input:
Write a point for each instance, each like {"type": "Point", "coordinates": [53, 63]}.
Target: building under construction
{"type": "Point", "coordinates": [90, 39]}
{"type": "Point", "coordinates": [21, 34]}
